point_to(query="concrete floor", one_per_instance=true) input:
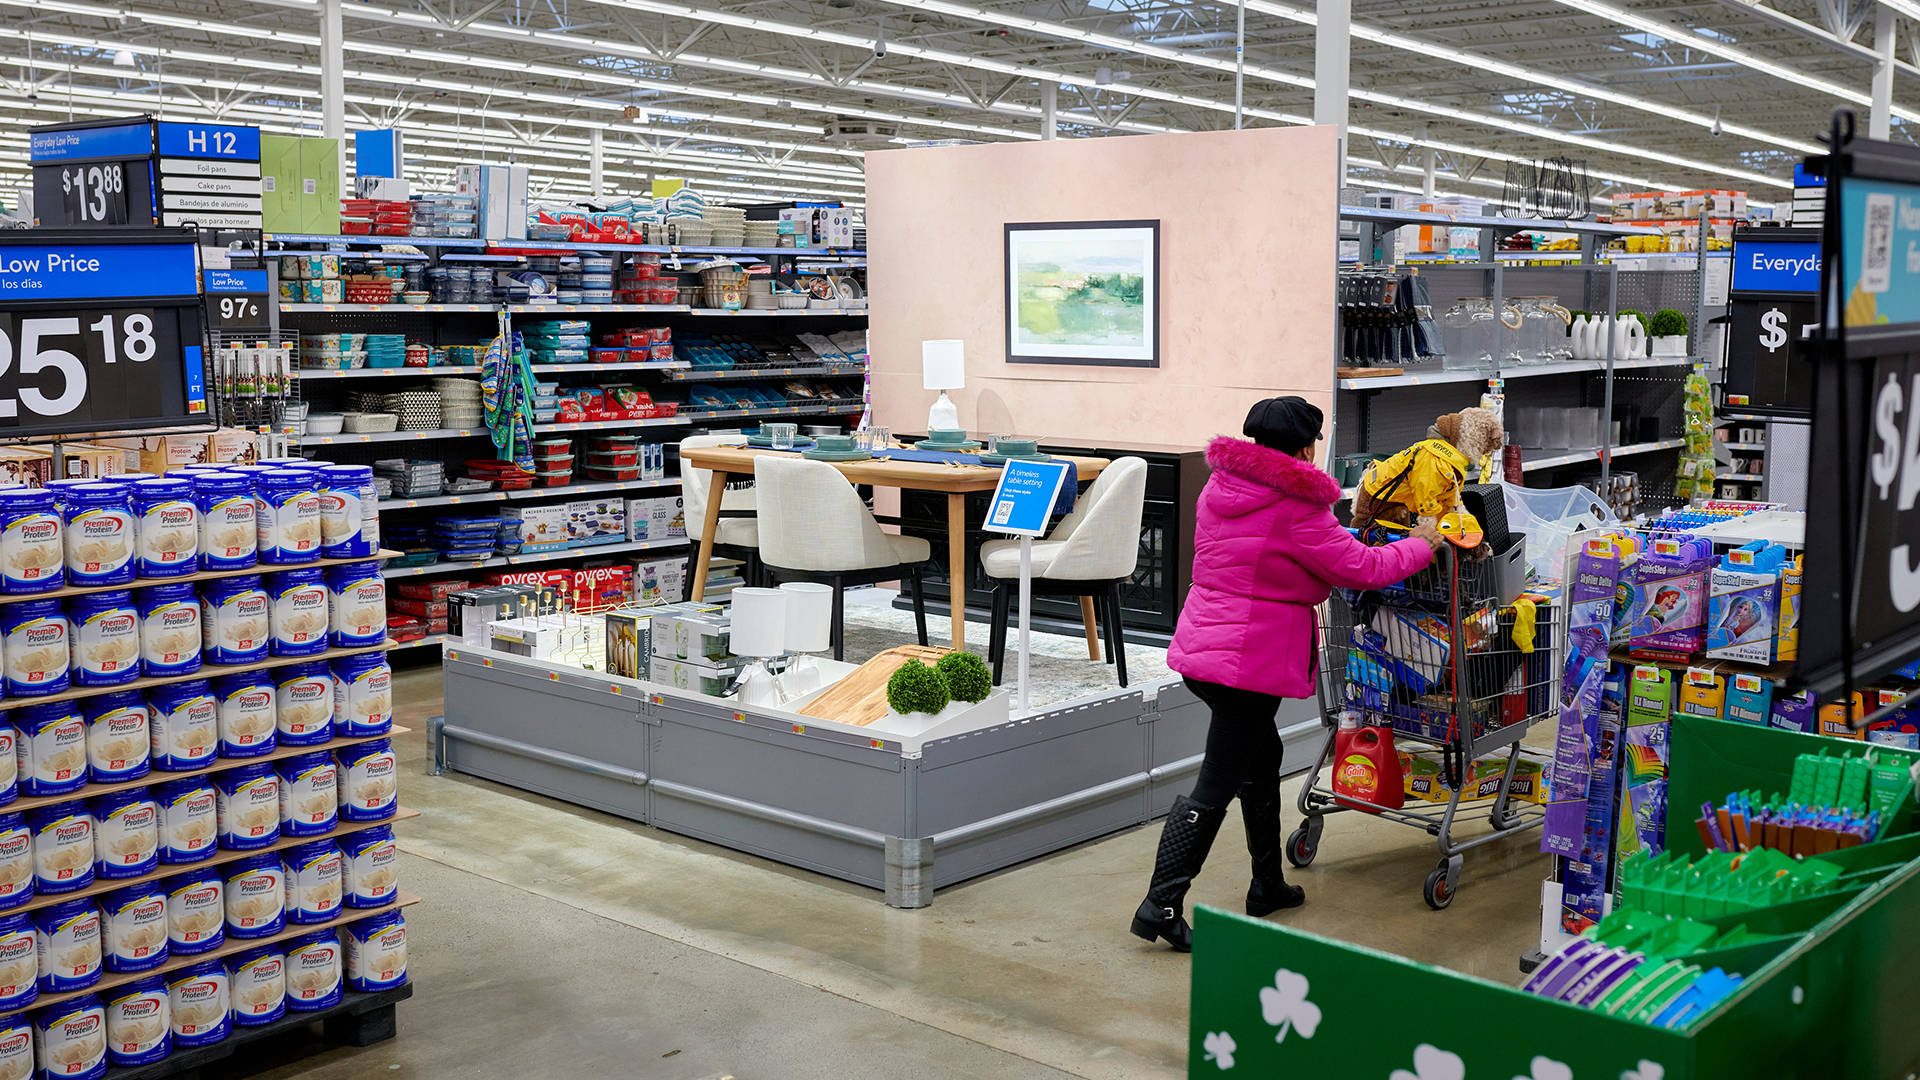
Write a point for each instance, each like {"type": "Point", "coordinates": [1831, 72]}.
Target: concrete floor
{"type": "Point", "coordinates": [557, 941]}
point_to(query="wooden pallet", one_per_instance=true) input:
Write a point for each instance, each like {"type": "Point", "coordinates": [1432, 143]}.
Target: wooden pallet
{"type": "Point", "coordinates": [861, 697]}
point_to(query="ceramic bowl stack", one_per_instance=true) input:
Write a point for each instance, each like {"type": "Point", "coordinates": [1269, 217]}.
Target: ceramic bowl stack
{"type": "Point", "coordinates": [459, 403]}
{"type": "Point", "coordinates": [762, 234]}
{"type": "Point", "coordinates": [418, 410]}
{"type": "Point", "coordinates": [728, 223]}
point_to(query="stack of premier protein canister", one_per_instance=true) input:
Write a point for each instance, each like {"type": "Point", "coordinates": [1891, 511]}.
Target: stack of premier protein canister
{"type": "Point", "coordinates": [199, 766]}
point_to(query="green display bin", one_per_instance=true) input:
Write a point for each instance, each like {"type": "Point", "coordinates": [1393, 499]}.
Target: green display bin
{"type": "Point", "coordinates": [1830, 997]}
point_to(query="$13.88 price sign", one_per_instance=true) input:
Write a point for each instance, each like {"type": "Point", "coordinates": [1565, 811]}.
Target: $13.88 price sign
{"type": "Point", "coordinates": [95, 194]}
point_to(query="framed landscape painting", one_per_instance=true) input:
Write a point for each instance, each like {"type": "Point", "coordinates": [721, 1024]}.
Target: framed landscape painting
{"type": "Point", "coordinates": [1083, 292]}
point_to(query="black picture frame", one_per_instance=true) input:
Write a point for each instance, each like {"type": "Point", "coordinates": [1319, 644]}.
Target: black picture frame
{"type": "Point", "coordinates": [1145, 355]}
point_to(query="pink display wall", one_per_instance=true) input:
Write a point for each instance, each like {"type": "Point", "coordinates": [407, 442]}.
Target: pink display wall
{"type": "Point", "coordinates": [1247, 248]}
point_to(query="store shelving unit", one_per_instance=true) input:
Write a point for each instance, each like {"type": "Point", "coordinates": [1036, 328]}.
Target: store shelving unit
{"type": "Point", "coordinates": [1366, 415]}
{"type": "Point", "coordinates": [481, 320]}
{"type": "Point", "coordinates": [362, 1002]}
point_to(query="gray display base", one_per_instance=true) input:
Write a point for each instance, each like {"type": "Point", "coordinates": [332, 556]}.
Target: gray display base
{"type": "Point", "coordinates": [905, 816]}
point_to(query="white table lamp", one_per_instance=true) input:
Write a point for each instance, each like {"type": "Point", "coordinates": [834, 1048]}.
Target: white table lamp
{"type": "Point", "coordinates": [809, 629]}
{"type": "Point", "coordinates": [759, 630]}
{"type": "Point", "coordinates": [944, 367]}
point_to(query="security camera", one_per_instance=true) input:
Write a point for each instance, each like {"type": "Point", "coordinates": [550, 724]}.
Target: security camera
{"type": "Point", "coordinates": [33, 95]}
{"type": "Point", "coordinates": [880, 41]}
{"type": "Point", "coordinates": [1716, 131]}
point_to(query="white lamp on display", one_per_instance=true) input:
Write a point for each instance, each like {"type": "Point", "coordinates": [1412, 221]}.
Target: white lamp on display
{"type": "Point", "coordinates": [759, 630]}
{"type": "Point", "coordinates": [809, 630]}
{"type": "Point", "coordinates": [944, 367]}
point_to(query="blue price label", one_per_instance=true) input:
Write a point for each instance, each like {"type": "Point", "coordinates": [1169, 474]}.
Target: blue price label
{"type": "Point", "coordinates": [1776, 266]}
{"type": "Point", "coordinates": [65, 271]}
{"type": "Point", "coordinates": [240, 281]}
{"type": "Point", "coordinates": [84, 144]}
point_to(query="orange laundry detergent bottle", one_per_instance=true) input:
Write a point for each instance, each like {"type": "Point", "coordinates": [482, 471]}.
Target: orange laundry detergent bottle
{"type": "Point", "coordinates": [1366, 769]}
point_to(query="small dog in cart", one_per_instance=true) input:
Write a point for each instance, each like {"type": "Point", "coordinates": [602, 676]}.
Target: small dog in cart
{"type": "Point", "coordinates": [1421, 484]}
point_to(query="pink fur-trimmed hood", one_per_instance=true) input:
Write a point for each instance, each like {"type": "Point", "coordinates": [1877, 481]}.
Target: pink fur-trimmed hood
{"type": "Point", "coordinates": [1281, 473]}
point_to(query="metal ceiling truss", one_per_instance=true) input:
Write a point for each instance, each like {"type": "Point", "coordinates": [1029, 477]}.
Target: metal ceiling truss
{"type": "Point", "coordinates": [738, 94]}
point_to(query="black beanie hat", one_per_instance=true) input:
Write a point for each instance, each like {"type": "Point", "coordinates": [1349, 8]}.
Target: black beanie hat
{"type": "Point", "coordinates": [1286, 424]}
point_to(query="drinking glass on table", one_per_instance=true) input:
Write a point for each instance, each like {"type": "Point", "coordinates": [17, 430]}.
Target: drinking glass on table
{"type": "Point", "coordinates": [878, 438]}
{"type": "Point", "coordinates": [781, 435]}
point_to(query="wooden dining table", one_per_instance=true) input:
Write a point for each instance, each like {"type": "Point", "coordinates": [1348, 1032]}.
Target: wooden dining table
{"type": "Point", "coordinates": [956, 480]}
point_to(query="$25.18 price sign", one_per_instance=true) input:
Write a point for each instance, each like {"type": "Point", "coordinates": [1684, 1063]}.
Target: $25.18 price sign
{"type": "Point", "coordinates": [99, 331]}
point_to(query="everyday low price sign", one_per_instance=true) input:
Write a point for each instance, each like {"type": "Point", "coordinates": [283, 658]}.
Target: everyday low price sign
{"type": "Point", "coordinates": [99, 331]}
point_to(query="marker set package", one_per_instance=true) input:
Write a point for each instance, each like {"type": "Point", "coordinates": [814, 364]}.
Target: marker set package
{"type": "Point", "coordinates": [1749, 699]}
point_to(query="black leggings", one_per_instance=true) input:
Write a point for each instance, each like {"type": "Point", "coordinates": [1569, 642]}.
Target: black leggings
{"type": "Point", "coordinates": [1242, 743]}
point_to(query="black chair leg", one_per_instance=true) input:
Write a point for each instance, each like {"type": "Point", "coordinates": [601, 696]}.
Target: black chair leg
{"type": "Point", "coordinates": [839, 631]}
{"type": "Point", "coordinates": [686, 575]}
{"type": "Point", "coordinates": [919, 603]}
{"type": "Point", "coordinates": [1105, 615]}
{"type": "Point", "coordinates": [1119, 639]}
{"type": "Point", "coordinates": [997, 637]}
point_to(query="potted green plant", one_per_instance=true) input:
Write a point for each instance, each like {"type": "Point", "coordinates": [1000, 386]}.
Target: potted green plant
{"type": "Point", "coordinates": [919, 696]}
{"type": "Point", "coordinates": [1668, 332]}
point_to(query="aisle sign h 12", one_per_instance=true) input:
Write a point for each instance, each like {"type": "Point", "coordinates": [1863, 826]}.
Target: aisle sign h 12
{"type": "Point", "coordinates": [1024, 498]}
{"type": "Point", "coordinates": [99, 331]}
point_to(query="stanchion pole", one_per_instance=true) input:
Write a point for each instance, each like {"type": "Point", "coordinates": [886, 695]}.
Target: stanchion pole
{"type": "Point", "coordinates": [1026, 602]}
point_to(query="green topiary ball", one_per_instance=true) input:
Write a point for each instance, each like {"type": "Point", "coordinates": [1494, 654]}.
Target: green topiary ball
{"type": "Point", "coordinates": [916, 688]}
{"type": "Point", "coordinates": [1667, 322]}
{"type": "Point", "coordinates": [967, 676]}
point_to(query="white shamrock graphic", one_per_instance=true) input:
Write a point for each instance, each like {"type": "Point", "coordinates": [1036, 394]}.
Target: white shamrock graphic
{"type": "Point", "coordinates": [1285, 1005]}
{"type": "Point", "coordinates": [1220, 1047]}
{"type": "Point", "coordinates": [1545, 1068]}
{"type": "Point", "coordinates": [1648, 1070]}
{"type": "Point", "coordinates": [1432, 1063]}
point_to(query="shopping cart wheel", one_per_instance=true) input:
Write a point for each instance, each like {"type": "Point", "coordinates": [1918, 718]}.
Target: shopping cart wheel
{"type": "Point", "coordinates": [1304, 844]}
{"type": "Point", "coordinates": [1438, 890]}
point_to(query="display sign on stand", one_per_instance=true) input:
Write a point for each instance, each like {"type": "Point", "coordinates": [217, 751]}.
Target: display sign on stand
{"type": "Point", "coordinates": [92, 174]}
{"type": "Point", "coordinates": [1860, 616]}
{"type": "Point", "coordinates": [99, 331]}
{"type": "Point", "coordinates": [1772, 315]}
{"type": "Point", "coordinates": [1021, 505]}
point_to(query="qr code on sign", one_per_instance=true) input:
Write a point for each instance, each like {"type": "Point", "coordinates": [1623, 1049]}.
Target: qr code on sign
{"type": "Point", "coordinates": [1876, 247]}
{"type": "Point", "coordinates": [1002, 510]}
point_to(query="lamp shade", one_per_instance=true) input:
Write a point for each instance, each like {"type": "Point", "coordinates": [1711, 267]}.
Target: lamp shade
{"type": "Point", "coordinates": [944, 363]}
{"type": "Point", "coordinates": [759, 622]}
{"type": "Point", "coordinates": [809, 616]}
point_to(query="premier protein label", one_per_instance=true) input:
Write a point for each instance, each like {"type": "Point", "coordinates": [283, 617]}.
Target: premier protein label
{"type": "Point", "coordinates": [19, 966]}
{"type": "Point", "coordinates": [290, 527]}
{"type": "Point", "coordinates": [365, 702]}
{"type": "Point", "coordinates": [16, 1051]}
{"type": "Point", "coordinates": [373, 873]}
{"type": "Point", "coordinates": [170, 635]}
{"type": "Point", "coordinates": [251, 810]}
{"type": "Point", "coordinates": [369, 785]}
{"type": "Point", "coordinates": [170, 535]}
{"type": "Point", "coordinates": [310, 797]}
{"type": "Point", "coordinates": [74, 1043]}
{"type": "Point", "coordinates": [339, 515]}
{"type": "Point", "coordinates": [69, 951]}
{"type": "Point", "coordinates": [55, 754]}
{"type": "Point", "coordinates": [137, 932]}
{"type": "Point", "coordinates": [198, 1004]}
{"type": "Point", "coordinates": [313, 887]}
{"type": "Point", "coordinates": [188, 825]}
{"type": "Point", "coordinates": [63, 849]}
{"type": "Point", "coordinates": [108, 642]}
{"type": "Point", "coordinates": [195, 913]}
{"type": "Point", "coordinates": [227, 530]}
{"type": "Point", "coordinates": [30, 548]}
{"type": "Point", "coordinates": [16, 863]}
{"type": "Point", "coordinates": [313, 971]}
{"type": "Point", "coordinates": [256, 899]}
{"type": "Point", "coordinates": [236, 628]}
{"type": "Point", "coordinates": [129, 836]}
{"type": "Point", "coordinates": [188, 736]}
{"type": "Point", "coordinates": [136, 1023]}
{"type": "Point", "coordinates": [360, 609]}
{"type": "Point", "coordinates": [118, 744]}
{"type": "Point", "coordinates": [300, 615]}
{"type": "Point", "coordinates": [99, 541]}
{"type": "Point", "coordinates": [246, 717]}
{"type": "Point", "coordinates": [305, 705]}
{"type": "Point", "coordinates": [259, 987]}
{"type": "Point", "coordinates": [36, 652]}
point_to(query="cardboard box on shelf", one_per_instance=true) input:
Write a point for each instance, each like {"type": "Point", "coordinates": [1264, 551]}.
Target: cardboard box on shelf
{"type": "Point", "coordinates": [543, 637]}
{"type": "Point", "coordinates": [710, 679]}
{"type": "Point", "coordinates": [692, 631]}
{"type": "Point", "coordinates": [25, 466]}
{"type": "Point", "coordinates": [542, 528]}
{"type": "Point", "coordinates": [82, 459]}
{"type": "Point", "coordinates": [158, 453]}
{"type": "Point", "coordinates": [232, 446]}
{"type": "Point", "coordinates": [629, 644]}
{"type": "Point", "coordinates": [470, 611]}
{"type": "Point", "coordinates": [658, 581]}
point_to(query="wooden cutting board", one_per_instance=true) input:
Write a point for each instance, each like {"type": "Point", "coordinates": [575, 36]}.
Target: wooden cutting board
{"type": "Point", "coordinates": [1369, 372]}
{"type": "Point", "coordinates": [861, 697]}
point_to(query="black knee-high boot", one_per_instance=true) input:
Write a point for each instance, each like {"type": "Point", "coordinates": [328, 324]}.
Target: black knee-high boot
{"type": "Point", "coordinates": [1260, 810]}
{"type": "Point", "coordinates": [1184, 844]}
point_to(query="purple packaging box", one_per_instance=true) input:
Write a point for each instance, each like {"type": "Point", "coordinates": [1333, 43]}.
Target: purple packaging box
{"type": "Point", "coordinates": [1795, 712]}
{"type": "Point", "coordinates": [1669, 617]}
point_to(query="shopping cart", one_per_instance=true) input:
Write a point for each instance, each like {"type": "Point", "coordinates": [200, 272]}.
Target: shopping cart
{"type": "Point", "coordinates": [1435, 658]}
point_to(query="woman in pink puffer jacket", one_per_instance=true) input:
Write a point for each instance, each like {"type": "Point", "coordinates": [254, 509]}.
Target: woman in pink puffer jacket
{"type": "Point", "coordinates": [1267, 551]}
